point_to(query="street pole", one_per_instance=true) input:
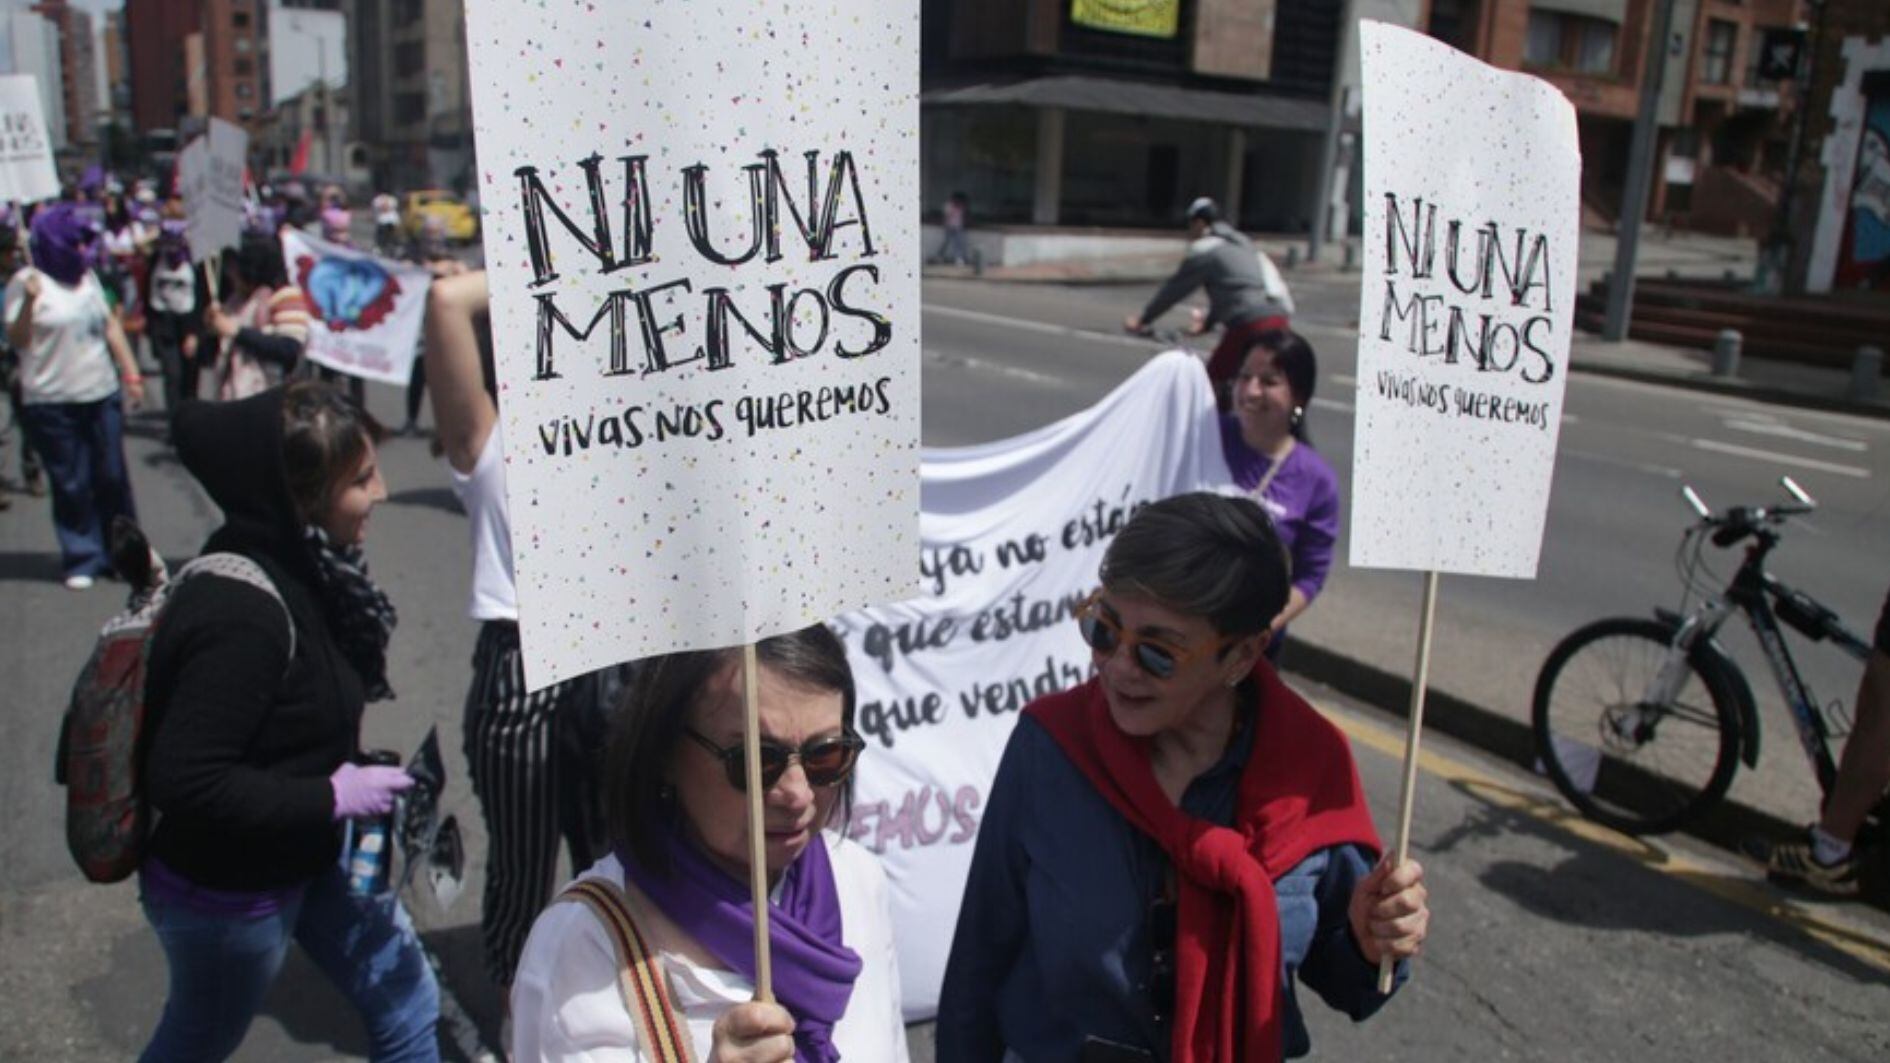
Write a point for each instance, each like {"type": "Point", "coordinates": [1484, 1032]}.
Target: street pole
{"type": "Point", "coordinates": [1335, 124]}
{"type": "Point", "coordinates": [1777, 255]}
{"type": "Point", "coordinates": [1640, 177]}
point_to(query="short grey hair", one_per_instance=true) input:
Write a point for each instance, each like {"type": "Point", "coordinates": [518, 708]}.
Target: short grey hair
{"type": "Point", "coordinates": [1203, 555]}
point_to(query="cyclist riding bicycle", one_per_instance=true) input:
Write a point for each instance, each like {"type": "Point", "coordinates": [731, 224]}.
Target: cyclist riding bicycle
{"type": "Point", "coordinates": [1222, 260]}
{"type": "Point", "coordinates": [1825, 861]}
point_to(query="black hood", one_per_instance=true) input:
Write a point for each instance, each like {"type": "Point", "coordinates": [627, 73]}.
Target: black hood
{"type": "Point", "coordinates": [234, 449]}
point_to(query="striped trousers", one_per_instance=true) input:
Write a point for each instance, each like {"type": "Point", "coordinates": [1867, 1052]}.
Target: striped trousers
{"type": "Point", "coordinates": [535, 784]}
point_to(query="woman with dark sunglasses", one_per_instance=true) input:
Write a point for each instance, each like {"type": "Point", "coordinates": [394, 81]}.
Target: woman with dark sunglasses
{"type": "Point", "coordinates": [676, 797]}
{"type": "Point", "coordinates": [1171, 849]}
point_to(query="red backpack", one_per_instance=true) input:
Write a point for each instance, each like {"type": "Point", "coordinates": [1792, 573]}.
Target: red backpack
{"type": "Point", "coordinates": [101, 743]}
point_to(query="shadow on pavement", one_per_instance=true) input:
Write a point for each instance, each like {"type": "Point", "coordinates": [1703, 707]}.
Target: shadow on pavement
{"type": "Point", "coordinates": [27, 566]}
{"type": "Point", "coordinates": [1603, 887]}
{"type": "Point", "coordinates": [304, 1017]}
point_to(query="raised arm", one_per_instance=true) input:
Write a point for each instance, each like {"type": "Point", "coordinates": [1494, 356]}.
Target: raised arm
{"type": "Point", "coordinates": [463, 413]}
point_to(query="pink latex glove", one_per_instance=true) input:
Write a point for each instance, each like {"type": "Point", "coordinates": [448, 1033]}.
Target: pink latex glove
{"type": "Point", "coordinates": [362, 792]}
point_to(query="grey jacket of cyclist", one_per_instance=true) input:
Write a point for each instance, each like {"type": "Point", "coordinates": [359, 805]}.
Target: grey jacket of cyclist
{"type": "Point", "coordinates": [1226, 263]}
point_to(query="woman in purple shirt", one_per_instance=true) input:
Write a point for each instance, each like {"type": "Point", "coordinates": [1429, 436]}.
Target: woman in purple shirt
{"type": "Point", "coordinates": [1274, 462]}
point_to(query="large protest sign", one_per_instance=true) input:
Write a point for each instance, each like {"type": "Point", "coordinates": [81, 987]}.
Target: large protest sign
{"type": "Point", "coordinates": [1014, 533]}
{"type": "Point", "coordinates": [26, 154]}
{"type": "Point", "coordinates": [1472, 203]}
{"type": "Point", "coordinates": [365, 312]}
{"type": "Point", "coordinates": [210, 180]}
{"type": "Point", "coordinates": [704, 266]}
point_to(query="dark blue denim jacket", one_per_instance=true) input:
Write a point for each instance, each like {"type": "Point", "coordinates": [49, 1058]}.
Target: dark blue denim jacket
{"type": "Point", "coordinates": [1053, 941]}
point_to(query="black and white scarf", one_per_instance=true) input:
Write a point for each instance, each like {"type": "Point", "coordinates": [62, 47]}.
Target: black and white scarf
{"type": "Point", "coordinates": [359, 611]}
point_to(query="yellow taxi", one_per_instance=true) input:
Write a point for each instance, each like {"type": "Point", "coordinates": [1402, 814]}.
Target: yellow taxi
{"type": "Point", "coordinates": [461, 223]}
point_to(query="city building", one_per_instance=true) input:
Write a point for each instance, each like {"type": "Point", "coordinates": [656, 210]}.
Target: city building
{"type": "Point", "coordinates": [162, 61]}
{"type": "Point", "coordinates": [1725, 120]}
{"type": "Point", "coordinates": [1059, 113]}
{"type": "Point", "coordinates": [77, 81]}
{"type": "Point", "coordinates": [29, 44]}
{"type": "Point", "coordinates": [192, 59]}
{"type": "Point", "coordinates": [412, 106]}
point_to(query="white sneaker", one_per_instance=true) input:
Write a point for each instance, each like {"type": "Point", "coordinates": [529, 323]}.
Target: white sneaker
{"type": "Point", "coordinates": [79, 583]}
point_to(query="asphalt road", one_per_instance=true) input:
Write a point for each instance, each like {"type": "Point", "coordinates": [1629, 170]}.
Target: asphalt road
{"type": "Point", "coordinates": [1552, 939]}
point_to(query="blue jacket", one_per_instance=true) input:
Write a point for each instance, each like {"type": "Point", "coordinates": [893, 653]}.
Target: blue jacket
{"type": "Point", "coordinates": [1053, 943]}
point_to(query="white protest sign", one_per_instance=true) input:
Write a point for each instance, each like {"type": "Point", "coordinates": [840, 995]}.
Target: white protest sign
{"type": "Point", "coordinates": [1471, 207]}
{"type": "Point", "coordinates": [26, 156]}
{"type": "Point", "coordinates": [210, 179]}
{"type": "Point", "coordinates": [365, 312]}
{"type": "Point", "coordinates": [704, 266]}
{"type": "Point", "coordinates": [1014, 533]}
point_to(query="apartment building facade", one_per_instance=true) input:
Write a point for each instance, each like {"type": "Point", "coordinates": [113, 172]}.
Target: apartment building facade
{"type": "Point", "coordinates": [1098, 114]}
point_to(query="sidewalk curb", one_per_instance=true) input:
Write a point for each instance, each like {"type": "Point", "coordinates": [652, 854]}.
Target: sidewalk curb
{"type": "Point", "coordinates": [1724, 826]}
{"type": "Point", "coordinates": [1737, 388]}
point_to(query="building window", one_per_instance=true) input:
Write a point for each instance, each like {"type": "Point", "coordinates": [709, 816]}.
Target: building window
{"type": "Point", "coordinates": [1557, 40]}
{"type": "Point", "coordinates": [410, 107]}
{"type": "Point", "coordinates": [409, 58]}
{"type": "Point", "coordinates": [1543, 45]}
{"type": "Point", "coordinates": [407, 12]}
{"type": "Point", "coordinates": [240, 20]}
{"type": "Point", "coordinates": [245, 67]}
{"type": "Point", "coordinates": [1721, 39]}
{"type": "Point", "coordinates": [245, 90]}
{"type": "Point", "coordinates": [1594, 46]}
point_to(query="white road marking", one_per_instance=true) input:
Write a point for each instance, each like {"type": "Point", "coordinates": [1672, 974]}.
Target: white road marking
{"type": "Point", "coordinates": [1772, 426]}
{"type": "Point", "coordinates": [1026, 325]}
{"type": "Point", "coordinates": [1344, 380]}
{"type": "Point", "coordinates": [1666, 472]}
{"type": "Point", "coordinates": [1332, 404]}
{"type": "Point", "coordinates": [1782, 459]}
{"type": "Point", "coordinates": [980, 365]}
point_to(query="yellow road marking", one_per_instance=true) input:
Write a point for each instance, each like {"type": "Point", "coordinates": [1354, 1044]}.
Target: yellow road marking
{"type": "Point", "coordinates": [1751, 895]}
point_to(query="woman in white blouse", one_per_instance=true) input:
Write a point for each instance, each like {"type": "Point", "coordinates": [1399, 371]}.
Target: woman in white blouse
{"type": "Point", "coordinates": [680, 859]}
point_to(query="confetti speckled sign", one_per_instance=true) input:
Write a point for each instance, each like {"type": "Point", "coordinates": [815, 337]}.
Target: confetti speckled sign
{"type": "Point", "coordinates": [701, 229]}
{"type": "Point", "coordinates": [1472, 203]}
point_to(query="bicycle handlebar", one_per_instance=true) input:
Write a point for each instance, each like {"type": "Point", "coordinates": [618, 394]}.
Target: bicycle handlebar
{"type": "Point", "coordinates": [1739, 522]}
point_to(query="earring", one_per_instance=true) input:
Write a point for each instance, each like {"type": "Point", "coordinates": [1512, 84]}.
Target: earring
{"type": "Point", "coordinates": [1299, 414]}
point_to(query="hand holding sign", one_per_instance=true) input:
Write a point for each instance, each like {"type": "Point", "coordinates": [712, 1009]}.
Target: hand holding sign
{"type": "Point", "coordinates": [1464, 324]}
{"type": "Point", "coordinates": [705, 306]}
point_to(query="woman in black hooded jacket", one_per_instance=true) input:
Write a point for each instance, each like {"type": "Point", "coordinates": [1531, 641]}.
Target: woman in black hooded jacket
{"type": "Point", "coordinates": [254, 719]}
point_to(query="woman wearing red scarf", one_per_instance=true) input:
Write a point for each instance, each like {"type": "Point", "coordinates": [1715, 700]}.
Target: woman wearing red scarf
{"type": "Point", "coordinates": [1172, 848]}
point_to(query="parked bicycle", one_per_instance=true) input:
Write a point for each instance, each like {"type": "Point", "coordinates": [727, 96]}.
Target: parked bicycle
{"type": "Point", "coordinates": [1641, 723]}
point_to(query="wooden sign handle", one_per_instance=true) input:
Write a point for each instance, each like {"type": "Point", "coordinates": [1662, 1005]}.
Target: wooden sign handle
{"type": "Point", "coordinates": [1414, 726]}
{"type": "Point", "coordinates": [757, 830]}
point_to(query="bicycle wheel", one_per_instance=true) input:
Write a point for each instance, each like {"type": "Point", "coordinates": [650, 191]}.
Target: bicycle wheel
{"type": "Point", "coordinates": [1621, 753]}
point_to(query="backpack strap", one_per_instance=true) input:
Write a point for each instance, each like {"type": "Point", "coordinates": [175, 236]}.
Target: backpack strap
{"type": "Point", "coordinates": [645, 990]}
{"type": "Point", "coordinates": [242, 570]}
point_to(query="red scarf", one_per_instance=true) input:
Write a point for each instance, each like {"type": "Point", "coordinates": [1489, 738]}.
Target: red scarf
{"type": "Point", "coordinates": [1299, 793]}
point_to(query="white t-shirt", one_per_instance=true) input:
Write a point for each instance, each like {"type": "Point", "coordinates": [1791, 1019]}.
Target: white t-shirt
{"type": "Point", "coordinates": [482, 494]}
{"type": "Point", "coordinates": [566, 1004]}
{"type": "Point", "coordinates": [67, 359]}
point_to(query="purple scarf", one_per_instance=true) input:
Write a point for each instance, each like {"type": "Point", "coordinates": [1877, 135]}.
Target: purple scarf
{"type": "Point", "coordinates": [814, 971]}
{"type": "Point", "coordinates": [60, 238]}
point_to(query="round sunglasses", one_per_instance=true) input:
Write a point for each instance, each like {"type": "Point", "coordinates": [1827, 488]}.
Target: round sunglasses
{"type": "Point", "coordinates": [827, 761]}
{"type": "Point", "coordinates": [1104, 634]}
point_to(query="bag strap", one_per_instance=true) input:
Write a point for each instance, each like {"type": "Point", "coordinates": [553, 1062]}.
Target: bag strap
{"type": "Point", "coordinates": [639, 975]}
{"type": "Point", "coordinates": [242, 570]}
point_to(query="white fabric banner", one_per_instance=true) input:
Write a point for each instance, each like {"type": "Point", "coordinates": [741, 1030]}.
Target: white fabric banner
{"type": "Point", "coordinates": [26, 156]}
{"type": "Point", "coordinates": [365, 312]}
{"type": "Point", "coordinates": [1472, 204]}
{"type": "Point", "coordinates": [1014, 533]}
{"type": "Point", "coordinates": [210, 179]}
{"type": "Point", "coordinates": [704, 265]}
